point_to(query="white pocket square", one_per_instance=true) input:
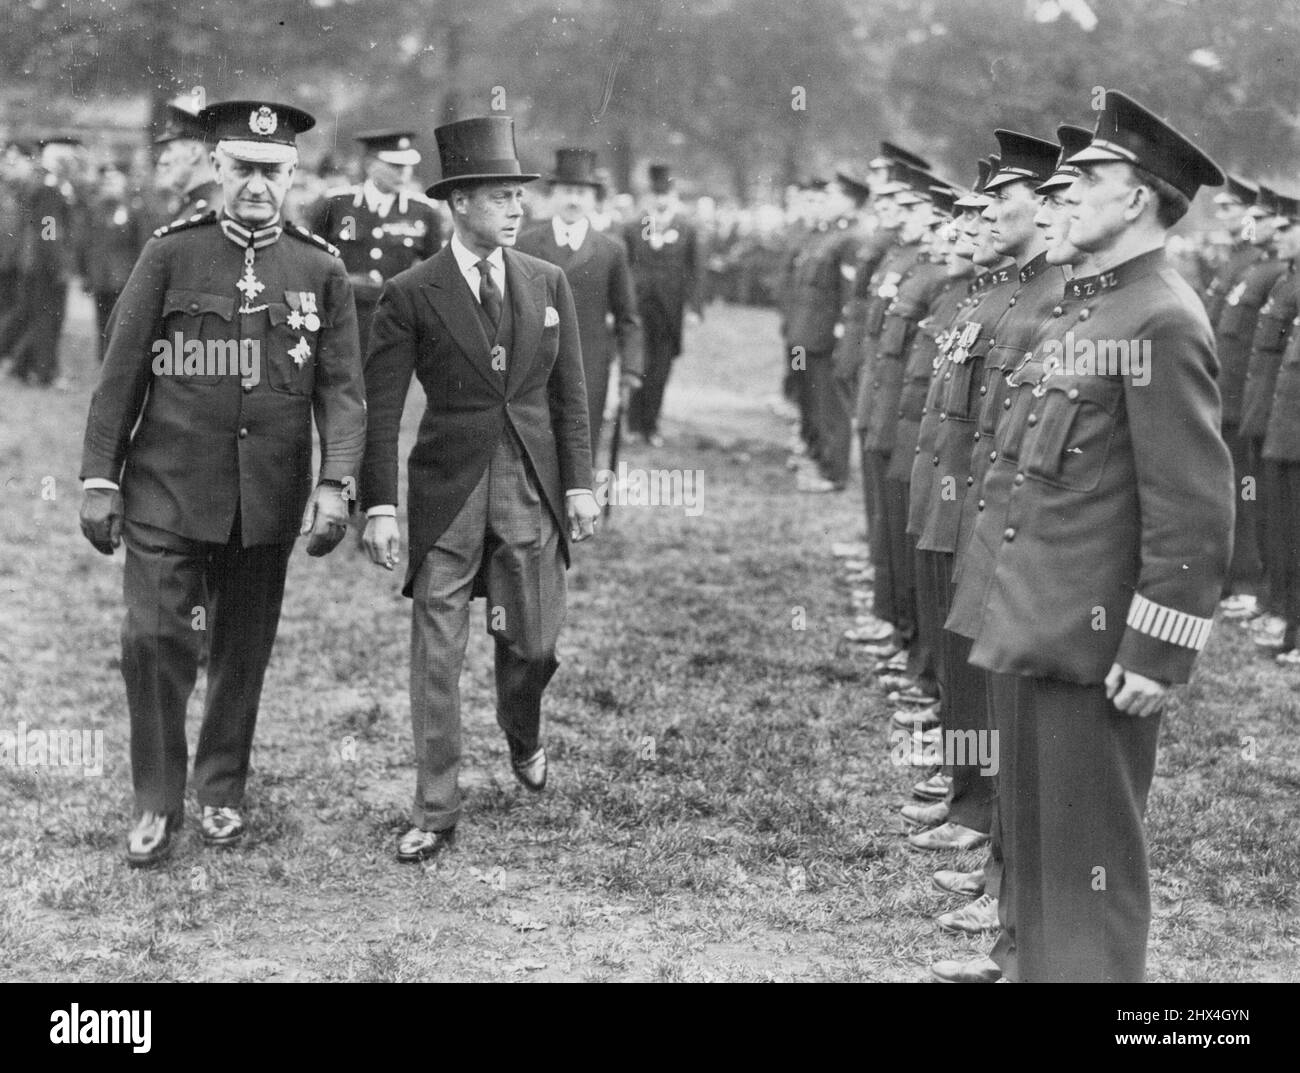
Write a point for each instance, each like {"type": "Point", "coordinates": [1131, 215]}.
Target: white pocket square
{"type": "Point", "coordinates": [552, 317]}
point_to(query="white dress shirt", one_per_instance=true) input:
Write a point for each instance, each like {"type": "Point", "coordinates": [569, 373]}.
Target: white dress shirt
{"type": "Point", "coordinates": [570, 235]}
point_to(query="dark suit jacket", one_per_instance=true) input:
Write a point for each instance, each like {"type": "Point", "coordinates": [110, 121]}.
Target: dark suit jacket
{"type": "Point", "coordinates": [427, 324]}
{"type": "Point", "coordinates": [666, 267]}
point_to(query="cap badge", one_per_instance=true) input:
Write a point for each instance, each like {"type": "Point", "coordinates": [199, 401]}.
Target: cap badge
{"type": "Point", "coordinates": [263, 121]}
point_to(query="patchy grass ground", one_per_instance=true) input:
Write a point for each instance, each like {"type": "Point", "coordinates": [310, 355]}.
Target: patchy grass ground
{"type": "Point", "coordinates": [722, 806]}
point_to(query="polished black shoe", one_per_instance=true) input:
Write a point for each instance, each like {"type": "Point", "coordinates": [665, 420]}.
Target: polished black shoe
{"type": "Point", "coordinates": [221, 826]}
{"type": "Point", "coordinates": [152, 839]}
{"type": "Point", "coordinates": [531, 772]}
{"type": "Point", "coordinates": [419, 845]}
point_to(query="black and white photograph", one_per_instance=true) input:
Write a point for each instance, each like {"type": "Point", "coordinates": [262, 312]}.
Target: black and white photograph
{"type": "Point", "coordinates": [628, 491]}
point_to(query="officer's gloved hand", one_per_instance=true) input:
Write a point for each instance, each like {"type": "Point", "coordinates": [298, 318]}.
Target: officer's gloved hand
{"type": "Point", "coordinates": [101, 518]}
{"type": "Point", "coordinates": [326, 519]}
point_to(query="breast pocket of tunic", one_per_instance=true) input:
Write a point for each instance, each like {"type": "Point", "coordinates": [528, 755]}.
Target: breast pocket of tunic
{"type": "Point", "coordinates": [1075, 428]}
{"type": "Point", "coordinates": [199, 334]}
{"type": "Point", "coordinates": [288, 355]}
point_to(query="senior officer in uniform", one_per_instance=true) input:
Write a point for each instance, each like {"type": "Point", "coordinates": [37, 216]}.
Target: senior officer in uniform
{"type": "Point", "coordinates": [597, 270]}
{"type": "Point", "coordinates": [232, 331]}
{"type": "Point", "coordinates": [380, 226]}
{"type": "Point", "coordinates": [500, 475]}
{"type": "Point", "coordinates": [1107, 533]}
{"type": "Point", "coordinates": [184, 166]}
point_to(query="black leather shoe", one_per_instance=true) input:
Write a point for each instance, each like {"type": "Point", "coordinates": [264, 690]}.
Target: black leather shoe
{"type": "Point", "coordinates": [419, 845]}
{"type": "Point", "coordinates": [531, 772]}
{"type": "Point", "coordinates": [221, 826]}
{"type": "Point", "coordinates": [152, 839]}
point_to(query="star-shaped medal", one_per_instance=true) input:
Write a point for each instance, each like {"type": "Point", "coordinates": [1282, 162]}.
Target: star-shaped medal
{"type": "Point", "coordinates": [300, 353]}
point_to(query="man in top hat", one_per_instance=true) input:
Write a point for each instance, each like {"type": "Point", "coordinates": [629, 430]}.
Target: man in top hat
{"type": "Point", "coordinates": [1107, 530]}
{"type": "Point", "coordinates": [500, 475]}
{"type": "Point", "coordinates": [597, 270]}
{"type": "Point", "coordinates": [184, 164]}
{"type": "Point", "coordinates": [663, 250]}
{"type": "Point", "coordinates": [233, 332]}
{"type": "Point", "coordinates": [380, 226]}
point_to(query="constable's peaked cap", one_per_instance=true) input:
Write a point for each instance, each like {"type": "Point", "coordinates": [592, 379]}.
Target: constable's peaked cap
{"type": "Point", "coordinates": [896, 154]}
{"type": "Point", "coordinates": [261, 132]}
{"type": "Point", "coordinates": [180, 123]}
{"type": "Point", "coordinates": [975, 199]}
{"type": "Point", "coordinates": [1239, 190]}
{"type": "Point", "coordinates": [855, 185]}
{"type": "Point", "coordinates": [945, 198]}
{"type": "Point", "coordinates": [479, 149]}
{"type": "Point", "coordinates": [1129, 133]}
{"type": "Point", "coordinates": [919, 182]}
{"type": "Point", "coordinates": [896, 179]}
{"type": "Point", "coordinates": [1024, 158]}
{"type": "Point", "coordinates": [396, 147]}
{"type": "Point", "coordinates": [1073, 140]}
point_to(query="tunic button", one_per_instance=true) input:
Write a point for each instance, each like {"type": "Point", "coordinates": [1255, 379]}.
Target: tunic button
{"type": "Point", "coordinates": [924, 411]}
{"type": "Point", "coordinates": [1009, 534]}
{"type": "Point", "coordinates": [243, 433]}
{"type": "Point", "coordinates": [992, 342]}
{"type": "Point", "coordinates": [984, 390]}
{"type": "Point", "coordinates": [970, 481]}
{"type": "Point", "coordinates": [248, 388]}
{"type": "Point", "coordinates": [1012, 302]}
{"type": "Point", "coordinates": [943, 417]}
{"type": "Point", "coordinates": [376, 254]}
{"type": "Point", "coordinates": [947, 376]}
{"type": "Point", "coordinates": [993, 456]}
{"type": "Point", "coordinates": [1072, 394]}
{"type": "Point", "coordinates": [1020, 478]}
{"type": "Point", "coordinates": [917, 451]}
{"type": "Point", "coordinates": [1084, 314]}
{"type": "Point", "coordinates": [980, 505]}
{"type": "Point", "coordinates": [1033, 419]}
{"type": "Point", "coordinates": [378, 232]}
{"type": "Point", "coordinates": [935, 460]}
{"type": "Point", "coordinates": [1006, 404]}
{"type": "Point", "coordinates": [977, 436]}
{"type": "Point", "coordinates": [408, 242]}
{"type": "Point", "coordinates": [194, 307]}
{"type": "Point", "coordinates": [1057, 311]}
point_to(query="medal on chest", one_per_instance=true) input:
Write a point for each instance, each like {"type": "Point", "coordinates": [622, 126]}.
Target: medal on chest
{"type": "Point", "coordinates": [249, 285]}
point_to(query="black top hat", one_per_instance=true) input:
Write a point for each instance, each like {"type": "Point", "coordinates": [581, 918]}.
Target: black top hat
{"type": "Point", "coordinates": [477, 150]}
{"type": "Point", "coordinates": [1265, 203]}
{"type": "Point", "coordinates": [1024, 157]}
{"type": "Point", "coordinates": [391, 146]}
{"type": "Point", "coordinates": [1239, 190]}
{"type": "Point", "coordinates": [661, 179]}
{"type": "Point", "coordinates": [1286, 209]}
{"type": "Point", "coordinates": [180, 123]}
{"type": "Point", "coordinates": [1073, 140]}
{"type": "Point", "coordinates": [576, 167]}
{"type": "Point", "coordinates": [1131, 134]}
{"type": "Point", "coordinates": [259, 131]}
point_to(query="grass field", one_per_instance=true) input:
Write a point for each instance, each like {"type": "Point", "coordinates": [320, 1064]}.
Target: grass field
{"type": "Point", "coordinates": [722, 805]}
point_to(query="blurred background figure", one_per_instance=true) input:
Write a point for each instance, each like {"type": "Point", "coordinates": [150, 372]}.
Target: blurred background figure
{"type": "Point", "coordinates": [183, 170]}
{"type": "Point", "coordinates": [116, 227]}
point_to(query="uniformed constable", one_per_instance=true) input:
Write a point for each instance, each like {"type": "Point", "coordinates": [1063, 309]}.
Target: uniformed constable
{"type": "Point", "coordinates": [1280, 453]}
{"type": "Point", "coordinates": [380, 226]}
{"type": "Point", "coordinates": [232, 332]}
{"type": "Point", "coordinates": [819, 289]}
{"type": "Point", "coordinates": [184, 166]}
{"type": "Point", "coordinates": [1108, 521]}
{"type": "Point", "coordinates": [1234, 330]}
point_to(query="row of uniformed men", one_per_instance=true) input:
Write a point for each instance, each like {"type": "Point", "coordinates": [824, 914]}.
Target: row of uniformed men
{"type": "Point", "coordinates": [1050, 506]}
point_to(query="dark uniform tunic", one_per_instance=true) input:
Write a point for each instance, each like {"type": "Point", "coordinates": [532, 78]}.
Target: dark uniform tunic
{"type": "Point", "coordinates": [1108, 520]}
{"type": "Point", "coordinates": [1281, 456]}
{"type": "Point", "coordinates": [215, 470]}
{"type": "Point", "coordinates": [375, 246]}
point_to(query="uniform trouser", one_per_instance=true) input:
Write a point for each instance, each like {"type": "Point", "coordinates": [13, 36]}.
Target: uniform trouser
{"type": "Point", "coordinates": [1276, 541]}
{"type": "Point", "coordinates": [1247, 570]}
{"type": "Point", "coordinates": [873, 481]}
{"type": "Point", "coordinates": [11, 309]}
{"type": "Point", "coordinates": [1287, 600]}
{"type": "Point", "coordinates": [1075, 902]}
{"type": "Point", "coordinates": [820, 377]}
{"type": "Point", "coordinates": [892, 550]}
{"type": "Point", "coordinates": [963, 692]}
{"type": "Point", "coordinates": [36, 352]}
{"type": "Point", "coordinates": [365, 314]}
{"type": "Point", "coordinates": [104, 303]}
{"type": "Point", "coordinates": [170, 582]}
{"type": "Point", "coordinates": [505, 529]}
{"type": "Point", "coordinates": [837, 428]}
{"type": "Point", "coordinates": [648, 399]}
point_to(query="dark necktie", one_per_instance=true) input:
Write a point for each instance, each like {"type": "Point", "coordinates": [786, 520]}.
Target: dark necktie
{"type": "Point", "coordinates": [488, 293]}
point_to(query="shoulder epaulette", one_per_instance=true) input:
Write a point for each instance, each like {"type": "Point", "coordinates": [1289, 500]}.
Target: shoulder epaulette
{"type": "Point", "coordinates": [196, 220]}
{"type": "Point", "coordinates": [310, 236]}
